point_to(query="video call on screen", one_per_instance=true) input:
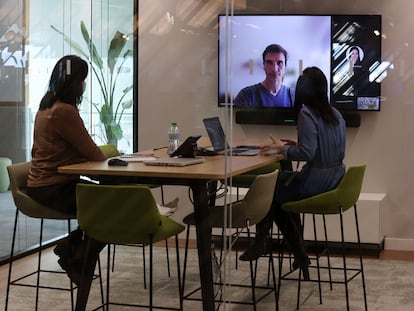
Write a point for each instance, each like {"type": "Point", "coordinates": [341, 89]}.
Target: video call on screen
{"type": "Point", "coordinates": [324, 41]}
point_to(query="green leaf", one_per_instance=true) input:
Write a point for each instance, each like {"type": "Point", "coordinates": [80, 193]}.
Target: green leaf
{"type": "Point", "coordinates": [127, 104]}
{"type": "Point", "coordinates": [129, 53]}
{"type": "Point", "coordinates": [127, 89]}
{"type": "Point", "coordinates": [106, 114]}
{"type": "Point", "coordinates": [72, 43]}
{"type": "Point", "coordinates": [109, 116]}
{"type": "Point", "coordinates": [116, 131]}
{"type": "Point", "coordinates": [96, 58]}
{"type": "Point", "coordinates": [118, 43]}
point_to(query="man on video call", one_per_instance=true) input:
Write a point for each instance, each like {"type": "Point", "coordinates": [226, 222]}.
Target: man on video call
{"type": "Point", "coordinates": [271, 92]}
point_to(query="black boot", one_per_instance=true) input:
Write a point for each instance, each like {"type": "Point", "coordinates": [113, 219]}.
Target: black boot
{"type": "Point", "coordinates": [290, 226]}
{"type": "Point", "coordinates": [70, 252]}
{"type": "Point", "coordinates": [68, 246]}
{"type": "Point", "coordinates": [261, 245]}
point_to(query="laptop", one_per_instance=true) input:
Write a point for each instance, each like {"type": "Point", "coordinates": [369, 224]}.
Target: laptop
{"type": "Point", "coordinates": [183, 156]}
{"type": "Point", "coordinates": [167, 161]}
{"type": "Point", "coordinates": [218, 139]}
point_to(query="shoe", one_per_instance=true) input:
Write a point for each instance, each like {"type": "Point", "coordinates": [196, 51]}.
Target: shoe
{"type": "Point", "coordinates": [169, 208]}
{"type": "Point", "coordinates": [303, 264]}
{"type": "Point", "coordinates": [62, 248]}
{"type": "Point", "coordinates": [70, 257]}
{"type": "Point", "coordinates": [173, 203]}
{"type": "Point", "coordinates": [69, 245]}
{"type": "Point", "coordinates": [258, 249]}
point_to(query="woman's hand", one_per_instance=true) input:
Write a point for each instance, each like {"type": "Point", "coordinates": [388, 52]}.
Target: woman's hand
{"type": "Point", "coordinates": [289, 142]}
{"type": "Point", "coordinates": [275, 145]}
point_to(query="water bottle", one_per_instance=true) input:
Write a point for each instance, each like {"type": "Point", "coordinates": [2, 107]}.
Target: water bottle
{"type": "Point", "coordinates": [173, 138]}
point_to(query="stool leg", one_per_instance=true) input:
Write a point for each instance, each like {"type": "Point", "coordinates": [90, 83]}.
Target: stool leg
{"type": "Point", "coordinates": [180, 288]}
{"type": "Point", "coordinates": [317, 258]}
{"type": "Point", "coordinates": [168, 258]}
{"type": "Point", "coordinates": [185, 258]}
{"type": "Point", "coordinates": [72, 304]}
{"type": "Point", "coordinates": [39, 264]}
{"type": "Point", "coordinates": [272, 267]}
{"type": "Point", "coordinates": [252, 275]}
{"type": "Point", "coordinates": [328, 255]}
{"type": "Point", "coordinates": [108, 276]}
{"type": "Point", "coordinates": [11, 260]}
{"type": "Point", "coordinates": [144, 266]}
{"type": "Point", "coordinates": [344, 260]}
{"type": "Point", "coordinates": [166, 242]}
{"type": "Point", "coordinates": [151, 276]}
{"type": "Point", "coordinates": [360, 258]}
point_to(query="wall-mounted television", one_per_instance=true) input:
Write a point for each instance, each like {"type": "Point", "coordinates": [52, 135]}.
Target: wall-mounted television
{"type": "Point", "coordinates": [325, 41]}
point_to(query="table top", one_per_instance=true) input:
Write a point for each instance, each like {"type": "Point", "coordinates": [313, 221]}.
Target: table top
{"type": "Point", "coordinates": [215, 167]}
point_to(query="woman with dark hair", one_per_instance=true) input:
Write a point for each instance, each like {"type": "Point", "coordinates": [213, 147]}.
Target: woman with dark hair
{"type": "Point", "coordinates": [321, 144]}
{"type": "Point", "coordinates": [60, 138]}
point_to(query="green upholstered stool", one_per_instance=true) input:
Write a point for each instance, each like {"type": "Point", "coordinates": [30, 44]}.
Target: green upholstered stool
{"type": "Point", "coordinates": [4, 176]}
{"type": "Point", "coordinates": [335, 202]}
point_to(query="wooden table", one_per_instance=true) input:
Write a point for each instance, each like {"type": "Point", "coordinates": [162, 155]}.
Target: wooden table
{"type": "Point", "coordinates": [197, 178]}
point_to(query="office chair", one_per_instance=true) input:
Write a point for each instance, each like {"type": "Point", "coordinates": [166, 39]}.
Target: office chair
{"type": "Point", "coordinates": [26, 205]}
{"type": "Point", "coordinates": [125, 214]}
{"type": "Point", "coordinates": [335, 202]}
{"type": "Point", "coordinates": [241, 215]}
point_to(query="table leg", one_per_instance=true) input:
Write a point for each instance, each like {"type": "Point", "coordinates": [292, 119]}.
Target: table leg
{"type": "Point", "coordinates": [203, 231]}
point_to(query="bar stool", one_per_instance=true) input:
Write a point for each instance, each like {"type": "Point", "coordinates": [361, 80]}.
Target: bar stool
{"type": "Point", "coordinates": [115, 218]}
{"type": "Point", "coordinates": [111, 151]}
{"type": "Point", "coordinates": [336, 202]}
{"type": "Point", "coordinates": [24, 204]}
{"type": "Point", "coordinates": [241, 215]}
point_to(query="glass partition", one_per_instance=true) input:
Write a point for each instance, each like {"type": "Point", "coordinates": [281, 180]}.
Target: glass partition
{"type": "Point", "coordinates": [175, 76]}
{"type": "Point", "coordinates": [101, 32]}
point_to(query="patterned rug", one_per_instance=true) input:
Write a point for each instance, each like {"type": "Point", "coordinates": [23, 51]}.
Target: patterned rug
{"type": "Point", "coordinates": [390, 286]}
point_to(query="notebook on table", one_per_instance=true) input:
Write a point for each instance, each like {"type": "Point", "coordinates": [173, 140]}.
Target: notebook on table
{"type": "Point", "coordinates": [183, 156]}
{"type": "Point", "coordinates": [218, 139]}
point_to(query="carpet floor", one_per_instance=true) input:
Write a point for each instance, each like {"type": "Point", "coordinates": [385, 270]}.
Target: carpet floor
{"type": "Point", "coordinates": [389, 283]}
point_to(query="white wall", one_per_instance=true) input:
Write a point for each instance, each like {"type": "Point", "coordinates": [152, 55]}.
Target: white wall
{"type": "Point", "coordinates": [178, 82]}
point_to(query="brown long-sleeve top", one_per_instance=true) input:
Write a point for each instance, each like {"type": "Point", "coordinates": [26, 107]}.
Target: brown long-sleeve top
{"type": "Point", "coordinates": [60, 138]}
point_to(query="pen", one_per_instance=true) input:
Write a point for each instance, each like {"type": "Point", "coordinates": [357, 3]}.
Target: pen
{"type": "Point", "coordinates": [159, 148]}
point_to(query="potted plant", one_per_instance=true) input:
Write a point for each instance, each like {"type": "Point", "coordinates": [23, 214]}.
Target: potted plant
{"type": "Point", "coordinates": [112, 107]}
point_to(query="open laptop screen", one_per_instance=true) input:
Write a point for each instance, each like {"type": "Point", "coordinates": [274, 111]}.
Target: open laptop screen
{"type": "Point", "coordinates": [215, 133]}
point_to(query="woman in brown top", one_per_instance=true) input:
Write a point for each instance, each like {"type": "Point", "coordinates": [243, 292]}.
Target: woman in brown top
{"type": "Point", "coordinates": [60, 138]}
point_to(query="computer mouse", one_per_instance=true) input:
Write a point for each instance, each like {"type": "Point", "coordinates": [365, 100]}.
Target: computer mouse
{"type": "Point", "coordinates": [117, 162]}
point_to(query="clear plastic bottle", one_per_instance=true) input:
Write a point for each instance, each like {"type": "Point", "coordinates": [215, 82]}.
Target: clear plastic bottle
{"type": "Point", "coordinates": [173, 137]}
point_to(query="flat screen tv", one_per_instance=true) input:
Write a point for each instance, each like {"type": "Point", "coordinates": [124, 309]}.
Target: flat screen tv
{"type": "Point", "coordinates": [325, 41]}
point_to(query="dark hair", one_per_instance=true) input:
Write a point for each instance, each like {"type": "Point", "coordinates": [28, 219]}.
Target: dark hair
{"type": "Point", "coordinates": [66, 82]}
{"type": "Point", "coordinates": [355, 48]}
{"type": "Point", "coordinates": [312, 91]}
{"type": "Point", "coordinates": [275, 48]}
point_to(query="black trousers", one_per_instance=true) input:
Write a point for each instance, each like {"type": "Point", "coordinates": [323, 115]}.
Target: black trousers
{"type": "Point", "coordinates": [288, 223]}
